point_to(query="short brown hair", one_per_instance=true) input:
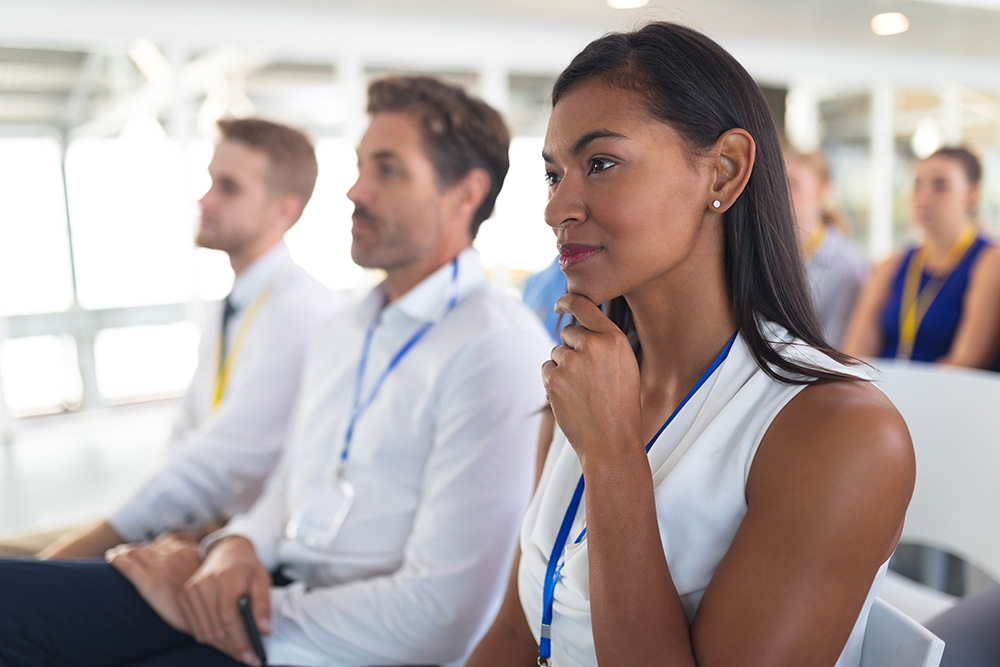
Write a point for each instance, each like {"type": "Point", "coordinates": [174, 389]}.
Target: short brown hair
{"type": "Point", "coordinates": [290, 154]}
{"type": "Point", "coordinates": [460, 133]}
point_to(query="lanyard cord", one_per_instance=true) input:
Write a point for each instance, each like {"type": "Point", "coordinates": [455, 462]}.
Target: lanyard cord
{"type": "Point", "coordinates": [554, 568]}
{"type": "Point", "coordinates": [814, 241]}
{"type": "Point", "coordinates": [227, 360]}
{"type": "Point", "coordinates": [359, 406]}
{"type": "Point", "coordinates": [915, 302]}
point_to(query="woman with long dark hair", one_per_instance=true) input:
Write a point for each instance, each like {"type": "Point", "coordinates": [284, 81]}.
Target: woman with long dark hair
{"type": "Point", "coordinates": [719, 486]}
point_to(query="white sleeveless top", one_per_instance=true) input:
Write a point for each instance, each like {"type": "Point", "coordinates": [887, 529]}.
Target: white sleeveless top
{"type": "Point", "coordinates": [700, 464]}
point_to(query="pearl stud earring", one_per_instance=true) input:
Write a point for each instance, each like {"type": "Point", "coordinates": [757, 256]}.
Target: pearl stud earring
{"type": "Point", "coordinates": [717, 203]}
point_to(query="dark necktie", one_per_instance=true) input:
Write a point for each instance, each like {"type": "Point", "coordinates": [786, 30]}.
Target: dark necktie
{"type": "Point", "coordinates": [228, 310]}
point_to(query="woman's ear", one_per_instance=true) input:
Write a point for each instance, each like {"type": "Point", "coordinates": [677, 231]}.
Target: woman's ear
{"type": "Point", "coordinates": [735, 151]}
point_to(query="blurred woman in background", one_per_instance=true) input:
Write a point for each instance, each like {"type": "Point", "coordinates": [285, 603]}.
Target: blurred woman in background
{"type": "Point", "coordinates": [939, 300]}
{"type": "Point", "coordinates": [835, 267]}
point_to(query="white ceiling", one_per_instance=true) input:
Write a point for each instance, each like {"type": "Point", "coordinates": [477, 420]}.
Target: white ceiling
{"type": "Point", "coordinates": [60, 52]}
{"type": "Point", "coordinates": [937, 28]}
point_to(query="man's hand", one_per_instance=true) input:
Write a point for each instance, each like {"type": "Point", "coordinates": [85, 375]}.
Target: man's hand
{"type": "Point", "coordinates": [210, 600]}
{"type": "Point", "coordinates": [195, 535]}
{"type": "Point", "coordinates": [159, 570]}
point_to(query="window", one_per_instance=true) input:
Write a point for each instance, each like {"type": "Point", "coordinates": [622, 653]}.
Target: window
{"type": "Point", "coordinates": [35, 272]}
{"type": "Point", "coordinates": [40, 375]}
{"type": "Point", "coordinates": [132, 223]}
{"type": "Point", "coordinates": [143, 362]}
{"type": "Point", "coordinates": [321, 240]}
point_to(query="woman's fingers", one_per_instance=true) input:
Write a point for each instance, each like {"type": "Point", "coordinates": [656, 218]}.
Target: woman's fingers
{"type": "Point", "coordinates": [586, 312]}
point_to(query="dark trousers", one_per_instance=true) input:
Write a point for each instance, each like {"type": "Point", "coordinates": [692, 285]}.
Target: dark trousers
{"type": "Point", "coordinates": [69, 613]}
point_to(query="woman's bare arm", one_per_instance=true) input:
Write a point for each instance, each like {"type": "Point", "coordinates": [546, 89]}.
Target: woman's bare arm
{"type": "Point", "coordinates": [826, 498]}
{"type": "Point", "coordinates": [977, 340]}
{"type": "Point", "coordinates": [863, 337]}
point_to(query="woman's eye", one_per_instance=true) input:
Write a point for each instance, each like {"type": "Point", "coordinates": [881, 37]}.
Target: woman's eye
{"type": "Point", "coordinates": [599, 164]}
{"type": "Point", "coordinates": [551, 178]}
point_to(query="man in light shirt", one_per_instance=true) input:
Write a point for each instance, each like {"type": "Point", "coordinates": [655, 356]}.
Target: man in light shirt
{"type": "Point", "coordinates": [235, 414]}
{"type": "Point", "coordinates": [394, 512]}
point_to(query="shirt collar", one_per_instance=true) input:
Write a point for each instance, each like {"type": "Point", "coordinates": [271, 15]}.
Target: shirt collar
{"type": "Point", "coordinates": [428, 300]}
{"type": "Point", "coordinates": [256, 277]}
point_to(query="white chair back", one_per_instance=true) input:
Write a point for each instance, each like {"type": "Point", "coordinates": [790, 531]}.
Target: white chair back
{"type": "Point", "coordinates": [954, 419]}
{"type": "Point", "coordinates": [893, 639]}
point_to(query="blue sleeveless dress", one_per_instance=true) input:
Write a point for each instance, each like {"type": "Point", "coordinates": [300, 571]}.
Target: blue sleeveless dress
{"type": "Point", "coordinates": [938, 327]}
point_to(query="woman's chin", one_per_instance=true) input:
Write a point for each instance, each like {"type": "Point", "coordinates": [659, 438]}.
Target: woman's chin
{"type": "Point", "coordinates": [595, 294]}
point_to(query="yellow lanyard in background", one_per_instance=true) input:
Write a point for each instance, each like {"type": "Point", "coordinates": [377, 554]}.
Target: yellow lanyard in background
{"type": "Point", "coordinates": [815, 240]}
{"type": "Point", "coordinates": [227, 362]}
{"type": "Point", "coordinates": [916, 301]}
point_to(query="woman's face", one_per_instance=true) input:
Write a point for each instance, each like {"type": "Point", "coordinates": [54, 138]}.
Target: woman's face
{"type": "Point", "coordinates": [628, 201]}
{"type": "Point", "coordinates": [808, 192]}
{"type": "Point", "coordinates": [943, 200]}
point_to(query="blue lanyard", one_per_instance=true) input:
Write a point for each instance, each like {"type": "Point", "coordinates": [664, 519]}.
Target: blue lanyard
{"type": "Point", "coordinates": [555, 567]}
{"type": "Point", "coordinates": [360, 406]}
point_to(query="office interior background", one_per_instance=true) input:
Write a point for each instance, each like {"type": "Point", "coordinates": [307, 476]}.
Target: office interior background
{"type": "Point", "coordinates": [107, 111]}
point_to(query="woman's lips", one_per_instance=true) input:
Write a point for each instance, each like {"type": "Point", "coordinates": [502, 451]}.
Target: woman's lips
{"type": "Point", "coordinates": [571, 254]}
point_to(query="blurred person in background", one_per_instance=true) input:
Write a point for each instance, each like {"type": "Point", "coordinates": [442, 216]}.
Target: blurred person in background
{"type": "Point", "coordinates": [235, 414]}
{"type": "Point", "coordinates": [939, 300]}
{"type": "Point", "coordinates": [835, 267]}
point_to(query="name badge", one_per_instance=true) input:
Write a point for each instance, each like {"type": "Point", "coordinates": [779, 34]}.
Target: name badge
{"type": "Point", "coordinates": [319, 520]}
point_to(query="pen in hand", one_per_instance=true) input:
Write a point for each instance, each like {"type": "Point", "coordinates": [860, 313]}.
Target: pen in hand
{"type": "Point", "coordinates": [251, 627]}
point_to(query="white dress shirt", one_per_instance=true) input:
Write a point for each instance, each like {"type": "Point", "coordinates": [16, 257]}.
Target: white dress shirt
{"type": "Point", "coordinates": [219, 457]}
{"type": "Point", "coordinates": [442, 466]}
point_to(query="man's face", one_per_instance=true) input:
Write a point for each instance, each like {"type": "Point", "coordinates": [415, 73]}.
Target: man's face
{"type": "Point", "coordinates": [400, 214]}
{"type": "Point", "coordinates": [238, 207]}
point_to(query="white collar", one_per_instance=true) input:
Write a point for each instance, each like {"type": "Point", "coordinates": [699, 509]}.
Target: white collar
{"type": "Point", "coordinates": [428, 300]}
{"type": "Point", "coordinates": [256, 277]}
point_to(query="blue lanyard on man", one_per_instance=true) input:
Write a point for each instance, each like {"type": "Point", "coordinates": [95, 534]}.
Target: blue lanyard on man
{"type": "Point", "coordinates": [359, 406]}
{"type": "Point", "coordinates": [554, 567]}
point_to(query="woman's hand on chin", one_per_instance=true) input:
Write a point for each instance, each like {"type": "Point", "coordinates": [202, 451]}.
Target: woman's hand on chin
{"type": "Point", "coordinates": [592, 381]}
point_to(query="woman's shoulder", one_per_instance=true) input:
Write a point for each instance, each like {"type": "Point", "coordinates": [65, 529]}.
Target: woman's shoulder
{"type": "Point", "coordinates": [988, 260]}
{"type": "Point", "coordinates": [846, 407]}
{"type": "Point", "coordinates": [838, 437]}
{"type": "Point", "coordinates": [891, 264]}
{"type": "Point", "coordinates": [842, 419]}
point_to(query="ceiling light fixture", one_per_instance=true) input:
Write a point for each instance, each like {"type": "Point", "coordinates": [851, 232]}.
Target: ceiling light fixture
{"type": "Point", "coordinates": [927, 137]}
{"type": "Point", "coordinates": [890, 23]}
{"type": "Point", "coordinates": [627, 4]}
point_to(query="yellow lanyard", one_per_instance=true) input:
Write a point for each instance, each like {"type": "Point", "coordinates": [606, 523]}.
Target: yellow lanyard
{"type": "Point", "coordinates": [917, 301]}
{"type": "Point", "coordinates": [815, 240]}
{"type": "Point", "coordinates": [227, 362]}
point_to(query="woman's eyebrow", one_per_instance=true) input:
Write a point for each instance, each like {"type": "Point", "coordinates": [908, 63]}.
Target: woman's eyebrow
{"type": "Point", "coordinates": [583, 141]}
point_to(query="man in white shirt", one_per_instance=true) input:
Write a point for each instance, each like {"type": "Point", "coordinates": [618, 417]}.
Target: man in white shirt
{"type": "Point", "coordinates": [236, 411]}
{"type": "Point", "coordinates": [395, 507]}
